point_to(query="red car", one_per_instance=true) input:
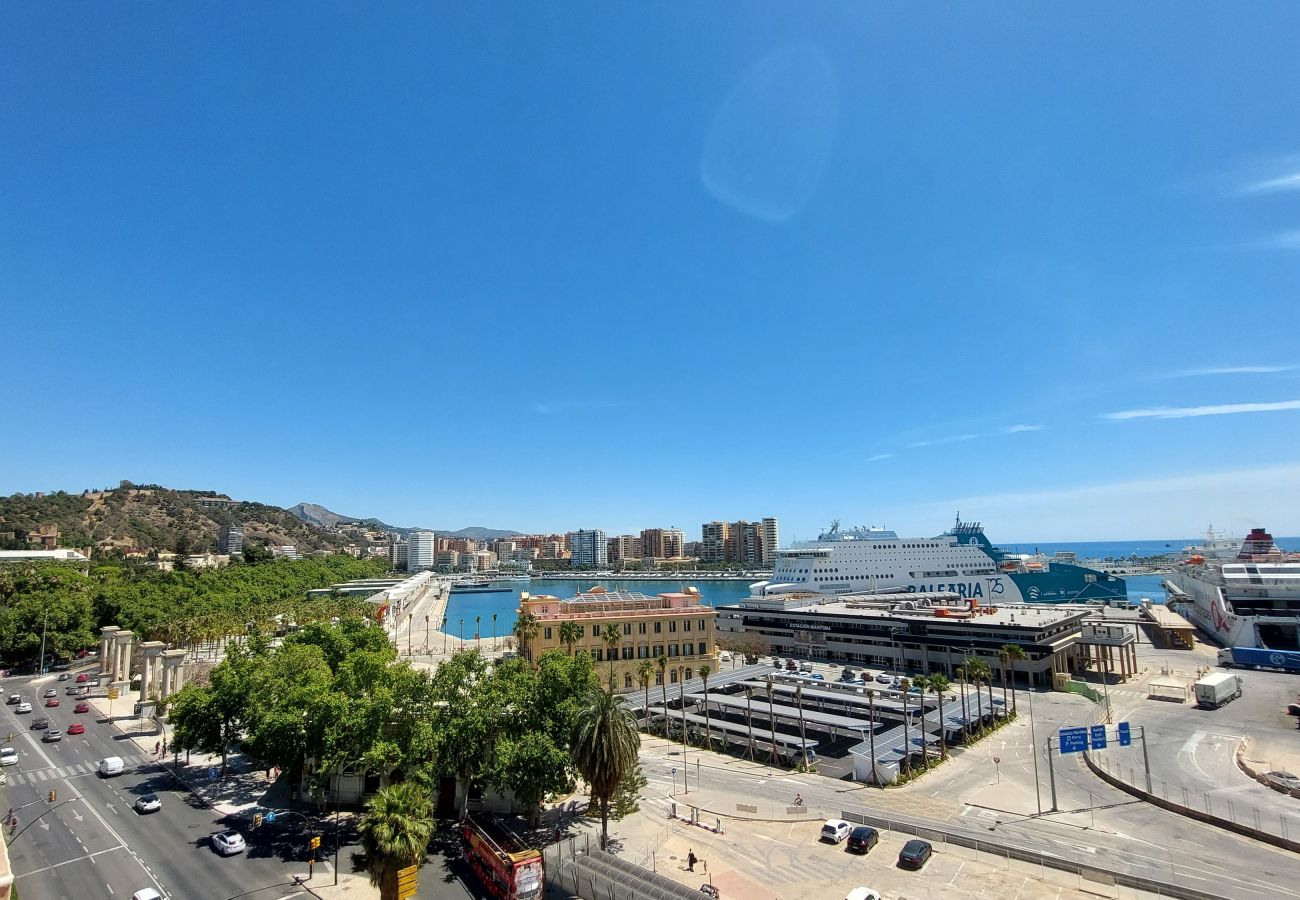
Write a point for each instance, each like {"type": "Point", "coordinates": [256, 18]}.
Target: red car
{"type": "Point", "coordinates": [76, 728]}
{"type": "Point", "coordinates": [83, 706]}
{"type": "Point", "coordinates": [82, 678]}
{"type": "Point", "coordinates": [53, 701]}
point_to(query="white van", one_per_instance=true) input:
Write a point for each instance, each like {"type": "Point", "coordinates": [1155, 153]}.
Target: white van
{"type": "Point", "coordinates": [111, 766]}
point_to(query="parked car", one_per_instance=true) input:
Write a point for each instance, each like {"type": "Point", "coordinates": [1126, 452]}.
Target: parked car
{"type": "Point", "coordinates": [8, 756]}
{"type": "Point", "coordinates": [81, 707]}
{"type": "Point", "coordinates": [148, 803]}
{"type": "Point", "coordinates": [76, 728]}
{"type": "Point", "coordinates": [776, 663]}
{"type": "Point", "coordinates": [23, 707]}
{"type": "Point", "coordinates": [83, 678]}
{"type": "Point", "coordinates": [14, 699]}
{"type": "Point", "coordinates": [849, 674]}
{"type": "Point", "coordinates": [1285, 780]}
{"type": "Point", "coordinates": [862, 893]}
{"type": "Point", "coordinates": [915, 854]}
{"type": "Point", "coordinates": [50, 692]}
{"type": "Point", "coordinates": [791, 665]}
{"type": "Point", "coordinates": [863, 838]}
{"type": "Point", "coordinates": [835, 830]}
{"type": "Point", "coordinates": [818, 676]}
{"type": "Point", "coordinates": [228, 843]}
{"type": "Point", "coordinates": [51, 736]}
{"type": "Point", "coordinates": [884, 678]}
{"type": "Point", "coordinates": [42, 722]}
{"type": "Point", "coordinates": [53, 701]}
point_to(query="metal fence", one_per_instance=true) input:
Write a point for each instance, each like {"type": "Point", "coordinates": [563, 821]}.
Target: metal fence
{"type": "Point", "coordinates": [576, 868]}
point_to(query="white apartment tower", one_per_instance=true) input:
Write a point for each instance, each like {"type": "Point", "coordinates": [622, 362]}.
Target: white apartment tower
{"type": "Point", "coordinates": [771, 540]}
{"type": "Point", "coordinates": [420, 551]}
{"type": "Point", "coordinates": [589, 548]}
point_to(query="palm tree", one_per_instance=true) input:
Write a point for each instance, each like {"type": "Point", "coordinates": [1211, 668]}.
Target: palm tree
{"type": "Point", "coordinates": [749, 718]}
{"type": "Point", "coordinates": [803, 743]}
{"type": "Point", "coordinates": [1014, 653]}
{"type": "Point", "coordinates": [905, 685]}
{"type": "Point", "coordinates": [604, 748]}
{"type": "Point", "coordinates": [871, 700]}
{"type": "Point", "coordinates": [570, 634]}
{"type": "Point", "coordinates": [525, 630]}
{"type": "Point", "coordinates": [708, 725]}
{"type": "Point", "coordinates": [960, 672]}
{"type": "Point", "coordinates": [771, 720]}
{"type": "Point", "coordinates": [395, 833]}
{"type": "Point", "coordinates": [939, 683]}
{"type": "Point", "coordinates": [645, 673]}
{"type": "Point", "coordinates": [477, 631]}
{"type": "Point", "coordinates": [979, 673]}
{"type": "Point", "coordinates": [662, 662]}
{"type": "Point", "coordinates": [611, 636]}
{"type": "Point", "coordinates": [1003, 659]}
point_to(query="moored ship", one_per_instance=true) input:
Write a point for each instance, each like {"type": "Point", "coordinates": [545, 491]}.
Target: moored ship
{"type": "Point", "coordinates": [961, 560]}
{"type": "Point", "coordinates": [1242, 596]}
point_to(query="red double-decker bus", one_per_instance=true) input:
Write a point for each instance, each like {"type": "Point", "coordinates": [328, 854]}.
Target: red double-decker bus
{"type": "Point", "coordinates": [508, 869]}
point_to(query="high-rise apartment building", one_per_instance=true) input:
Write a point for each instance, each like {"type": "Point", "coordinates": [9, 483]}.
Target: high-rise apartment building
{"type": "Point", "coordinates": [397, 553]}
{"type": "Point", "coordinates": [588, 548]}
{"type": "Point", "coordinates": [713, 542]}
{"type": "Point", "coordinates": [745, 543]}
{"type": "Point", "coordinates": [420, 553]}
{"type": "Point", "coordinates": [771, 540]}
{"type": "Point", "coordinates": [231, 540]}
{"type": "Point", "coordinates": [623, 548]}
{"type": "Point", "coordinates": [662, 543]}
{"type": "Point", "coordinates": [448, 560]}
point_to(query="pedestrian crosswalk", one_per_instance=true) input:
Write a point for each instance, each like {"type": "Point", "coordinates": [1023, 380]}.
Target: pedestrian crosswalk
{"type": "Point", "coordinates": [36, 776]}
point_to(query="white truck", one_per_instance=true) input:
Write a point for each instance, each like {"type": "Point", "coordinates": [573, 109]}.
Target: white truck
{"type": "Point", "coordinates": [1214, 690]}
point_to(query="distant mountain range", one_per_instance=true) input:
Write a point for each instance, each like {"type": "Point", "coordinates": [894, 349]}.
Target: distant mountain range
{"type": "Point", "coordinates": [315, 514]}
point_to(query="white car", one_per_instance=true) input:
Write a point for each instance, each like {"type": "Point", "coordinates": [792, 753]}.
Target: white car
{"type": "Point", "coordinates": [863, 893]}
{"type": "Point", "coordinates": [8, 756]}
{"type": "Point", "coordinates": [835, 830]}
{"type": "Point", "coordinates": [228, 843]}
{"type": "Point", "coordinates": [148, 803]}
{"type": "Point", "coordinates": [147, 894]}
{"type": "Point", "coordinates": [884, 678]}
{"type": "Point", "coordinates": [23, 708]}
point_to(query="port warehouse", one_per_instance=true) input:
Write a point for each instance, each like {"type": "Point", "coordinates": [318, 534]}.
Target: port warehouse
{"type": "Point", "coordinates": [920, 632]}
{"type": "Point", "coordinates": [835, 713]}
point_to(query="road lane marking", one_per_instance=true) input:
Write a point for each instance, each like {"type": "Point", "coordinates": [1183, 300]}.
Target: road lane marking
{"type": "Point", "coordinates": [109, 886]}
{"type": "Point", "coordinates": [68, 862]}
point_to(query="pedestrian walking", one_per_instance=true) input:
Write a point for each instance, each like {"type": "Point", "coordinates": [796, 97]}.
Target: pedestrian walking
{"type": "Point", "coordinates": [690, 861]}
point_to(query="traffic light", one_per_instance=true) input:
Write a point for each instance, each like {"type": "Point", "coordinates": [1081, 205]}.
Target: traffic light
{"type": "Point", "coordinates": [54, 796]}
{"type": "Point", "coordinates": [257, 820]}
{"type": "Point", "coordinates": [315, 842]}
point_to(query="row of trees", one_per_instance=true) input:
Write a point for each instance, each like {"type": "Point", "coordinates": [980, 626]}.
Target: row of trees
{"type": "Point", "coordinates": [67, 605]}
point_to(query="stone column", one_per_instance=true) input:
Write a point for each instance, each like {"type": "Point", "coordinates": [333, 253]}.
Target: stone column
{"type": "Point", "coordinates": [107, 648]}
{"type": "Point", "coordinates": [152, 651]}
{"type": "Point", "coordinates": [125, 640]}
{"type": "Point", "coordinates": [173, 671]}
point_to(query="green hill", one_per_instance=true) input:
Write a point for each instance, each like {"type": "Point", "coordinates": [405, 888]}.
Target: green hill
{"type": "Point", "coordinates": [151, 517]}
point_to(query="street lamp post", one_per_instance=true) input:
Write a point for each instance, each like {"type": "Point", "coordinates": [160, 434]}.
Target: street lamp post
{"type": "Point", "coordinates": [426, 634]}
{"type": "Point", "coordinates": [462, 633]}
{"type": "Point", "coordinates": [1033, 741]}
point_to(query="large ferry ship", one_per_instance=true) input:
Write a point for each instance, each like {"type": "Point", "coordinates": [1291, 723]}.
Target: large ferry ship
{"type": "Point", "coordinates": [961, 560]}
{"type": "Point", "coordinates": [1241, 593]}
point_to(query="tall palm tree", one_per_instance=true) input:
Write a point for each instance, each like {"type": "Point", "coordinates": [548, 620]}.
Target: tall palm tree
{"type": "Point", "coordinates": [771, 720]}
{"type": "Point", "coordinates": [803, 742]}
{"type": "Point", "coordinates": [749, 718]}
{"type": "Point", "coordinates": [570, 634]}
{"type": "Point", "coordinates": [871, 701]}
{"type": "Point", "coordinates": [939, 683]}
{"type": "Point", "coordinates": [1014, 653]}
{"type": "Point", "coordinates": [525, 630]}
{"type": "Point", "coordinates": [611, 636]}
{"type": "Point", "coordinates": [604, 747]}
{"type": "Point", "coordinates": [708, 725]}
{"type": "Point", "coordinates": [905, 685]}
{"type": "Point", "coordinates": [645, 673]}
{"type": "Point", "coordinates": [980, 674]}
{"type": "Point", "coordinates": [395, 833]}
{"type": "Point", "coordinates": [662, 662]}
{"type": "Point", "coordinates": [960, 672]}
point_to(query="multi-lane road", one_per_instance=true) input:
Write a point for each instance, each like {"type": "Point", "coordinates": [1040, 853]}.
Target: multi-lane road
{"type": "Point", "coordinates": [91, 843]}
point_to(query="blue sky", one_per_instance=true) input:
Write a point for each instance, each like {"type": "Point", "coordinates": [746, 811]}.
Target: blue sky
{"type": "Point", "coordinates": [553, 266]}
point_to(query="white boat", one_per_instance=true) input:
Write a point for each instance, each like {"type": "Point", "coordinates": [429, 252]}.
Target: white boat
{"type": "Point", "coordinates": [961, 560]}
{"type": "Point", "coordinates": [1242, 593]}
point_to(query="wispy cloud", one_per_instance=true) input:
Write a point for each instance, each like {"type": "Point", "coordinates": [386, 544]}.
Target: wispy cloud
{"type": "Point", "coordinates": [879, 456]}
{"type": "Point", "coordinates": [1288, 182]}
{"type": "Point", "coordinates": [1232, 370]}
{"type": "Point", "coordinates": [971, 436]}
{"type": "Point", "coordinates": [564, 406]}
{"type": "Point", "coordinates": [1192, 412]}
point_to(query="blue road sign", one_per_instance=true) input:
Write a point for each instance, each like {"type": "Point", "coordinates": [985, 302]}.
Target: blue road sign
{"type": "Point", "coordinates": [269, 817]}
{"type": "Point", "coordinates": [212, 773]}
{"type": "Point", "coordinates": [1099, 737]}
{"type": "Point", "coordinates": [1125, 736]}
{"type": "Point", "coordinates": [1073, 740]}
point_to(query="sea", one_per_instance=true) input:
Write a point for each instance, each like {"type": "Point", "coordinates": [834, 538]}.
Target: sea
{"type": "Point", "coordinates": [504, 604]}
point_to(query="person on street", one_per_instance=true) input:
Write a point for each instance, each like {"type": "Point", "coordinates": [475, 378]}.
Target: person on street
{"type": "Point", "coordinates": [690, 861]}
